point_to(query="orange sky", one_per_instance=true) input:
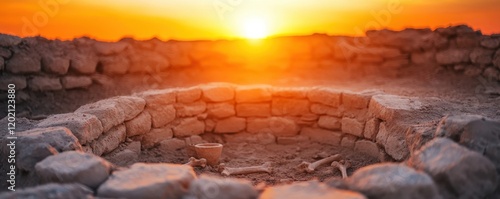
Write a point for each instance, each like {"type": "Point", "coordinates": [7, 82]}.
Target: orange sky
{"type": "Point", "coordinates": [211, 19]}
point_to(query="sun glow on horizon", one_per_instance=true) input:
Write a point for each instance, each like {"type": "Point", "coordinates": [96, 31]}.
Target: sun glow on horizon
{"type": "Point", "coordinates": [254, 28]}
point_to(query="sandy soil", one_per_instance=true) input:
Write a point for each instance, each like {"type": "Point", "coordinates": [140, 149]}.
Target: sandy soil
{"type": "Point", "coordinates": [284, 160]}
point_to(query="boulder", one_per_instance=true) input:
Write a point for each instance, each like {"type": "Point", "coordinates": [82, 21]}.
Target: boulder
{"type": "Point", "coordinates": [148, 181]}
{"type": "Point", "coordinates": [71, 82]}
{"type": "Point", "coordinates": [449, 165]}
{"type": "Point", "coordinates": [74, 167]}
{"type": "Point", "coordinates": [392, 181]}
{"type": "Point", "coordinates": [40, 83]}
{"type": "Point", "coordinates": [221, 188]}
{"type": "Point", "coordinates": [311, 189]}
{"type": "Point", "coordinates": [155, 136]}
{"type": "Point", "coordinates": [85, 127]}
{"type": "Point", "coordinates": [37, 144]}
{"type": "Point", "coordinates": [221, 110]}
{"type": "Point", "coordinates": [55, 65]}
{"type": "Point", "coordinates": [52, 191]}
{"type": "Point", "coordinates": [482, 56]}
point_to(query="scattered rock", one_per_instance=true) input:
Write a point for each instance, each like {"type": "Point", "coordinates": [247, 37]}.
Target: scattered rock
{"type": "Point", "coordinates": [148, 181]}
{"type": "Point", "coordinates": [40, 83]}
{"type": "Point", "coordinates": [37, 144]}
{"type": "Point", "coordinates": [312, 190]}
{"type": "Point", "coordinates": [85, 127]}
{"type": "Point", "coordinates": [450, 166]}
{"type": "Point", "coordinates": [221, 188]}
{"type": "Point", "coordinates": [74, 166]}
{"type": "Point", "coordinates": [392, 181]}
{"type": "Point", "coordinates": [52, 191]}
{"type": "Point", "coordinates": [70, 82]}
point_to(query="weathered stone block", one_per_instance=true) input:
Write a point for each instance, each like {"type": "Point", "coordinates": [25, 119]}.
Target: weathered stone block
{"type": "Point", "coordinates": [110, 48]}
{"type": "Point", "coordinates": [355, 100]}
{"type": "Point", "coordinates": [188, 95]}
{"type": "Point", "coordinates": [19, 81]}
{"type": "Point", "coordinates": [39, 83]}
{"type": "Point", "coordinates": [292, 107]}
{"type": "Point", "coordinates": [253, 110]}
{"type": "Point", "coordinates": [348, 141]}
{"type": "Point", "coordinates": [388, 107]}
{"type": "Point", "coordinates": [352, 126]}
{"type": "Point", "coordinates": [190, 109]}
{"type": "Point", "coordinates": [295, 92]}
{"type": "Point", "coordinates": [277, 126]}
{"type": "Point", "coordinates": [139, 125]}
{"type": "Point", "coordinates": [252, 94]}
{"type": "Point", "coordinates": [324, 109]}
{"type": "Point", "coordinates": [322, 136]}
{"type": "Point", "coordinates": [452, 56]}
{"type": "Point", "coordinates": [450, 166]}
{"type": "Point", "coordinates": [74, 167]}
{"type": "Point", "coordinates": [371, 128]}
{"type": "Point", "coordinates": [55, 65]}
{"type": "Point", "coordinates": [218, 92]}
{"type": "Point", "coordinates": [109, 140]}
{"type": "Point", "coordinates": [164, 181]}
{"type": "Point", "coordinates": [221, 110]}
{"type": "Point", "coordinates": [155, 136]}
{"type": "Point", "coordinates": [329, 122]}
{"type": "Point", "coordinates": [482, 56]}
{"type": "Point", "coordinates": [23, 63]}
{"type": "Point", "coordinates": [70, 82]}
{"type": "Point", "coordinates": [85, 127]}
{"type": "Point", "coordinates": [230, 125]}
{"type": "Point", "coordinates": [325, 96]}
{"type": "Point", "coordinates": [188, 127]}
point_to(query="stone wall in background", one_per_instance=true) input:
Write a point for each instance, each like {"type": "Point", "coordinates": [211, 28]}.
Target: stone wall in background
{"type": "Point", "coordinates": [39, 64]}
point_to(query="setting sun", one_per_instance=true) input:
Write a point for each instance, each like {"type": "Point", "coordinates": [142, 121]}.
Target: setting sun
{"type": "Point", "coordinates": [254, 28]}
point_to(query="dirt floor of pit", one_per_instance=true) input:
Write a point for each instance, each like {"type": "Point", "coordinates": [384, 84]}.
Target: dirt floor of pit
{"type": "Point", "coordinates": [283, 158]}
{"type": "Point", "coordinates": [462, 94]}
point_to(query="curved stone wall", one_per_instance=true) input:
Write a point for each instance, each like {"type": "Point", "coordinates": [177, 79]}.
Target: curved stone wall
{"type": "Point", "coordinates": [42, 65]}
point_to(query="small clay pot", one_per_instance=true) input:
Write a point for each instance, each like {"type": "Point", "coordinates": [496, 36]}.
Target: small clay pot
{"type": "Point", "coordinates": [209, 151]}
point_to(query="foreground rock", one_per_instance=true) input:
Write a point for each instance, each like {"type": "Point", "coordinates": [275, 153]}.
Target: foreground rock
{"type": "Point", "coordinates": [37, 144]}
{"type": "Point", "coordinates": [309, 190]}
{"type": "Point", "coordinates": [148, 181]}
{"type": "Point", "coordinates": [457, 171]}
{"type": "Point", "coordinates": [52, 191]}
{"type": "Point", "coordinates": [221, 188]}
{"type": "Point", "coordinates": [74, 166]}
{"type": "Point", "coordinates": [393, 181]}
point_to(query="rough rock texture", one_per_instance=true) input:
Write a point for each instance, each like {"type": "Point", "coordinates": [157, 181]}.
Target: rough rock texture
{"type": "Point", "coordinates": [274, 125]}
{"type": "Point", "coordinates": [325, 96]}
{"type": "Point", "coordinates": [45, 84]}
{"type": "Point", "coordinates": [450, 166]}
{"type": "Point", "coordinates": [221, 110]}
{"type": "Point", "coordinates": [148, 181]}
{"type": "Point", "coordinates": [218, 92]}
{"type": "Point", "coordinates": [322, 136]}
{"type": "Point", "coordinates": [312, 190]}
{"type": "Point", "coordinates": [74, 166]}
{"type": "Point", "coordinates": [23, 63]}
{"type": "Point", "coordinates": [188, 127]}
{"type": "Point", "coordinates": [19, 81]}
{"type": "Point", "coordinates": [230, 125]}
{"type": "Point", "coordinates": [139, 125]}
{"type": "Point", "coordinates": [109, 140]}
{"type": "Point", "coordinates": [37, 144]}
{"type": "Point", "coordinates": [392, 181]}
{"type": "Point", "coordinates": [388, 107]}
{"type": "Point", "coordinates": [52, 191]}
{"type": "Point", "coordinates": [221, 188]}
{"type": "Point", "coordinates": [85, 127]}
{"type": "Point", "coordinates": [70, 82]}
{"type": "Point", "coordinates": [55, 65]}
{"type": "Point", "coordinates": [156, 135]}
{"type": "Point", "coordinates": [252, 94]}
